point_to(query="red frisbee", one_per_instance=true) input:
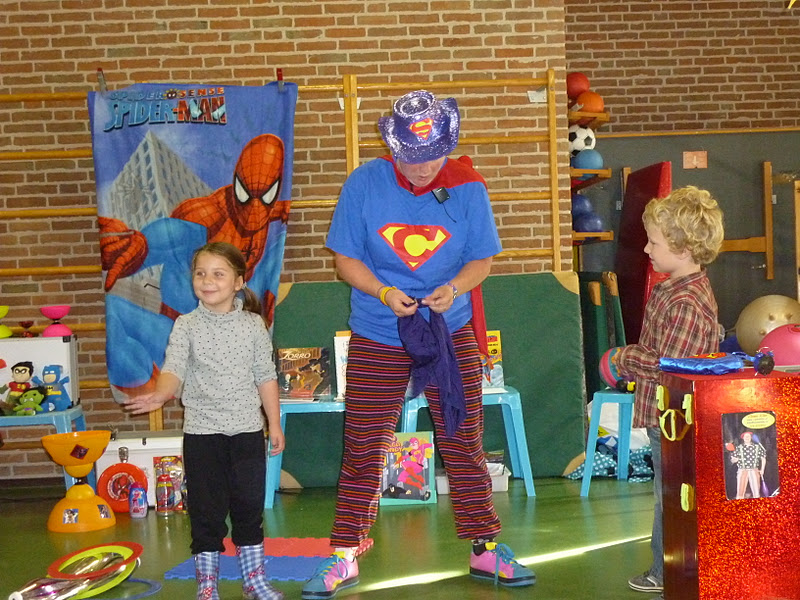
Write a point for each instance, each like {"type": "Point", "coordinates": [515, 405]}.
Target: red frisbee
{"type": "Point", "coordinates": [115, 482]}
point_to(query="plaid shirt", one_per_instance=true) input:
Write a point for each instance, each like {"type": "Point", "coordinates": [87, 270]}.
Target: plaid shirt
{"type": "Point", "coordinates": [680, 320]}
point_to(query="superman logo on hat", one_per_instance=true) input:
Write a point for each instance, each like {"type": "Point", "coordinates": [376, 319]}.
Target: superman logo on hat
{"type": "Point", "coordinates": [422, 128]}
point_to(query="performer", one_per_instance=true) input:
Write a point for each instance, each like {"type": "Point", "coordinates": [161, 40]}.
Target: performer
{"type": "Point", "coordinates": [412, 234]}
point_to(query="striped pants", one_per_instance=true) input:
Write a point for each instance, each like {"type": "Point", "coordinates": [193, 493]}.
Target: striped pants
{"type": "Point", "coordinates": [377, 378]}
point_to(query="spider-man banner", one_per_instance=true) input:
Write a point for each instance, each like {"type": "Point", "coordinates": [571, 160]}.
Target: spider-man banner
{"type": "Point", "coordinates": [177, 166]}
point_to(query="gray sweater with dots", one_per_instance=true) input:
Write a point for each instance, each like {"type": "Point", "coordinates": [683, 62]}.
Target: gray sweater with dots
{"type": "Point", "coordinates": [221, 358]}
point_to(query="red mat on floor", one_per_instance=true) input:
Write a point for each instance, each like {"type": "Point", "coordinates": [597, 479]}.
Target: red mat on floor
{"type": "Point", "coordinates": [288, 547]}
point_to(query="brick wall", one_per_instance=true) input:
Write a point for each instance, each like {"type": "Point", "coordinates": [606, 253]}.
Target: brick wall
{"type": "Point", "coordinates": [679, 65]}
{"type": "Point", "coordinates": [56, 46]}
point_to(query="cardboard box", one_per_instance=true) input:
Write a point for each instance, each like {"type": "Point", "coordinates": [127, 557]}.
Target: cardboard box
{"type": "Point", "coordinates": [142, 446]}
{"type": "Point", "coordinates": [499, 480]}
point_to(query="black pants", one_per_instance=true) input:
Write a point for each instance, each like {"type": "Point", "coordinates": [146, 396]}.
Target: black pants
{"type": "Point", "coordinates": [225, 476]}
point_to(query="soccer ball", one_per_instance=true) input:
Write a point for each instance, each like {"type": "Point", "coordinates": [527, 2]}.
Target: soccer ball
{"type": "Point", "coordinates": [580, 138]}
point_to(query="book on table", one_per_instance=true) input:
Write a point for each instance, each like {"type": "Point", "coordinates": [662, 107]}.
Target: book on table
{"type": "Point", "coordinates": [341, 343]}
{"type": "Point", "coordinates": [304, 374]}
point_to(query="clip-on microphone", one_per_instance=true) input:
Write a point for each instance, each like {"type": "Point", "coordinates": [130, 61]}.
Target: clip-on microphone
{"type": "Point", "coordinates": [441, 195]}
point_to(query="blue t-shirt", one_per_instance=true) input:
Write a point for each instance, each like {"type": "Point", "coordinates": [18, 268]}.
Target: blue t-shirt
{"type": "Point", "coordinates": [411, 242]}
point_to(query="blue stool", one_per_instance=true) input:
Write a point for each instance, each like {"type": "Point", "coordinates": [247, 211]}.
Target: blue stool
{"type": "Point", "coordinates": [512, 420]}
{"type": "Point", "coordinates": [60, 419]}
{"type": "Point", "coordinates": [273, 476]}
{"type": "Point", "coordinates": [625, 402]}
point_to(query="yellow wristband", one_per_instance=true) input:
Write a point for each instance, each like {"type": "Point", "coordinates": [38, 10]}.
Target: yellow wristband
{"type": "Point", "coordinates": [385, 290]}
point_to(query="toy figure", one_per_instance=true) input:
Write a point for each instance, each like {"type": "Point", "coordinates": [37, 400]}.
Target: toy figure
{"type": "Point", "coordinates": [54, 388]}
{"type": "Point", "coordinates": [240, 213]}
{"type": "Point", "coordinates": [21, 374]}
{"type": "Point", "coordinates": [30, 402]}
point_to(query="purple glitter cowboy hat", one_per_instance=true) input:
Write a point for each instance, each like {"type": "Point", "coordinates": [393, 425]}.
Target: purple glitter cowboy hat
{"type": "Point", "coordinates": [421, 127]}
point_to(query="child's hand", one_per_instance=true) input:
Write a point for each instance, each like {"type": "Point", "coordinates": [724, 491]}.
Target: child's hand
{"type": "Point", "coordinates": [139, 405]}
{"type": "Point", "coordinates": [277, 441]}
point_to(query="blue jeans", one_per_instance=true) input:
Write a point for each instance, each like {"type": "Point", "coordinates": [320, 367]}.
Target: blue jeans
{"type": "Point", "coordinates": [657, 539]}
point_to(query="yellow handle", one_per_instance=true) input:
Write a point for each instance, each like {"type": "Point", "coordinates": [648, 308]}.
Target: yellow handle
{"type": "Point", "coordinates": [668, 419]}
{"type": "Point", "coordinates": [687, 497]}
{"type": "Point", "coordinates": [688, 407]}
{"type": "Point", "coordinates": [662, 395]}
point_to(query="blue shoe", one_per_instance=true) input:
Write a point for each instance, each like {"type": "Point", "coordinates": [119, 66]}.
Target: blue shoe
{"type": "Point", "coordinates": [333, 574]}
{"type": "Point", "coordinates": [496, 563]}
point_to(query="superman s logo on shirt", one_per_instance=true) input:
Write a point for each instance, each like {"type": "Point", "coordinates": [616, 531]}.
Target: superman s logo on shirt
{"type": "Point", "coordinates": [414, 244]}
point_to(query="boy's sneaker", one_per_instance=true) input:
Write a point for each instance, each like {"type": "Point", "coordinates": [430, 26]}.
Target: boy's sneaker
{"type": "Point", "coordinates": [333, 574]}
{"type": "Point", "coordinates": [646, 583]}
{"type": "Point", "coordinates": [495, 562]}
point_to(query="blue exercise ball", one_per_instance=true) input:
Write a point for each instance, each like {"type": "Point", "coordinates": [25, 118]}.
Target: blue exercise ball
{"type": "Point", "coordinates": [581, 205]}
{"type": "Point", "coordinates": [587, 159]}
{"type": "Point", "coordinates": [588, 223]}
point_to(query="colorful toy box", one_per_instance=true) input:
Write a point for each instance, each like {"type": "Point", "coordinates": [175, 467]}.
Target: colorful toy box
{"type": "Point", "coordinates": [731, 513]}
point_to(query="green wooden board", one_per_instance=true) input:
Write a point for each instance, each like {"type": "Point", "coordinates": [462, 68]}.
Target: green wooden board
{"type": "Point", "coordinates": [540, 324]}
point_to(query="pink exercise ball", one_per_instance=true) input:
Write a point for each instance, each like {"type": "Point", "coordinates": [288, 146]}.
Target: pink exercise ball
{"type": "Point", "coordinates": [608, 368]}
{"type": "Point", "coordinates": [784, 341]}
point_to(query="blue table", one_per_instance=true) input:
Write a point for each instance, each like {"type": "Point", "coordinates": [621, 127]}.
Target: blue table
{"type": "Point", "coordinates": [274, 462]}
{"type": "Point", "coordinates": [513, 422]}
{"type": "Point", "coordinates": [509, 400]}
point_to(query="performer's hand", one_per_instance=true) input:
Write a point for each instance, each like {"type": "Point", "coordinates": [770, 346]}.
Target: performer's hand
{"type": "Point", "coordinates": [401, 304]}
{"type": "Point", "coordinates": [440, 300]}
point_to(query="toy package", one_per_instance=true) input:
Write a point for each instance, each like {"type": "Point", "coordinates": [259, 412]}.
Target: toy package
{"type": "Point", "coordinates": [493, 379]}
{"type": "Point", "coordinates": [170, 484]}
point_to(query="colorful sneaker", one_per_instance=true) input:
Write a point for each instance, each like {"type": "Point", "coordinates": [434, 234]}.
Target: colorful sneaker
{"type": "Point", "coordinates": [496, 563]}
{"type": "Point", "coordinates": [333, 574]}
{"type": "Point", "coordinates": [645, 583]}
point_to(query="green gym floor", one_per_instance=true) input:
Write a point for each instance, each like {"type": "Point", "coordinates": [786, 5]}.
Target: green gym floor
{"type": "Point", "coordinates": [580, 548]}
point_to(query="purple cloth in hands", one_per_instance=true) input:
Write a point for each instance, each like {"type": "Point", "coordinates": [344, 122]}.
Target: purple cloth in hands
{"type": "Point", "coordinates": [430, 347]}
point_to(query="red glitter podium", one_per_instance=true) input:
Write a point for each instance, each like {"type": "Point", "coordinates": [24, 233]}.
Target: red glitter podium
{"type": "Point", "coordinates": [730, 534]}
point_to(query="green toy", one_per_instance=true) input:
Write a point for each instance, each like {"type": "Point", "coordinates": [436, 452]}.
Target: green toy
{"type": "Point", "coordinates": [30, 402]}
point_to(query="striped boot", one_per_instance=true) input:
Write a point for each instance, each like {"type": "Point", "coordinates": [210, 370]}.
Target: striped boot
{"type": "Point", "coordinates": [255, 585]}
{"type": "Point", "coordinates": [206, 571]}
